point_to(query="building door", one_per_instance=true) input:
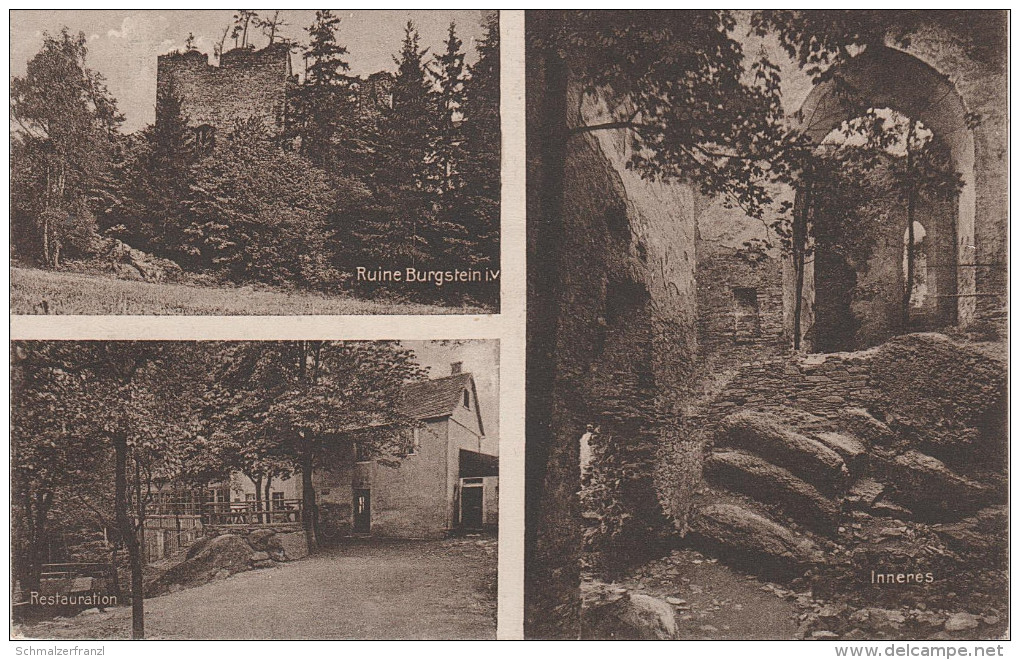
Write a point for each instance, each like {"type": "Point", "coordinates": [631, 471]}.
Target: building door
{"type": "Point", "coordinates": [471, 507]}
{"type": "Point", "coordinates": [362, 511]}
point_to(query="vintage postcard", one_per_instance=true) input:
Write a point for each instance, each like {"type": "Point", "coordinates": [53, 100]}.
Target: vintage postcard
{"type": "Point", "coordinates": [336, 489]}
{"type": "Point", "coordinates": [255, 162]}
{"type": "Point", "coordinates": [766, 379]}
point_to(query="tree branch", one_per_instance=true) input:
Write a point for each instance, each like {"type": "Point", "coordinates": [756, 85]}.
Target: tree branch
{"type": "Point", "coordinates": [607, 126]}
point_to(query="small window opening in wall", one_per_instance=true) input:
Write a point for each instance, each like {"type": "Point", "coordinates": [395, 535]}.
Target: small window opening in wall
{"type": "Point", "coordinates": [467, 399]}
{"type": "Point", "coordinates": [415, 442]}
{"type": "Point", "coordinates": [918, 280]}
{"type": "Point", "coordinates": [746, 314]}
{"type": "Point", "coordinates": [205, 137]}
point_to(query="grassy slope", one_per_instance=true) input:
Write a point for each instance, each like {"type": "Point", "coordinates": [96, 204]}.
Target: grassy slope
{"type": "Point", "coordinates": [73, 293]}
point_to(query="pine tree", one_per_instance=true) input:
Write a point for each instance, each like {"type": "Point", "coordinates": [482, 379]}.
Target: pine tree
{"type": "Point", "coordinates": [404, 179]}
{"type": "Point", "coordinates": [450, 80]}
{"type": "Point", "coordinates": [152, 213]}
{"type": "Point", "coordinates": [322, 98]}
{"type": "Point", "coordinates": [476, 201]}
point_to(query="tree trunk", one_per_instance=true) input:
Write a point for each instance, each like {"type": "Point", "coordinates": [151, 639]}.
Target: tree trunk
{"type": "Point", "coordinates": [267, 499]}
{"type": "Point", "coordinates": [115, 577]}
{"type": "Point", "coordinates": [128, 534]}
{"type": "Point", "coordinates": [309, 510]}
{"type": "Point", "coordinates": [257, 480]}
{"type": "Point", "coordinates": [553, 536]}
{"type": "Point", "coordinates": [36, 516]}
{"type": "Point", "coordinates": [911, 202]}
{"type": "Point", "coordinates": [799, 238]}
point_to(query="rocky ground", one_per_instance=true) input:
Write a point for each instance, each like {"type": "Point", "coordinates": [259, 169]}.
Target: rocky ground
{"type": "Point", "coordinates": [877, 513]}
{"type": "Point", "coordinates": [688, 595]}
{"type": "Point", "coordinates": [366, 590]}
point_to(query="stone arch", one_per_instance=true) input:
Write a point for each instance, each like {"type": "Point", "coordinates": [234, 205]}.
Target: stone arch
{"type": "Point", "coordinates": [884, 77]}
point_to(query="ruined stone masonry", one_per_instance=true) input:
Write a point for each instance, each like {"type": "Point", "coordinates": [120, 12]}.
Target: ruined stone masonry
{"type": "Point", "coordinates": [248, 84]}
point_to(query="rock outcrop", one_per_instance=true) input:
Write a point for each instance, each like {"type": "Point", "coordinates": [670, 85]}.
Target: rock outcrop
{"type": "Point", "coordinates": [751, 540]}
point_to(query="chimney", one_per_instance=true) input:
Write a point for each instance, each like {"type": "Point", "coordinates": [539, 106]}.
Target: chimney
{"type": "Point", "coordinates": [456, 368]}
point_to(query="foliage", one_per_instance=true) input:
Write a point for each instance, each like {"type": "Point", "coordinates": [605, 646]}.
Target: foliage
{"type": "Point", "coordinates": [65, 125]}
{"type": "Point", "coordinates": [259, 214]}
{"type": "Point", "coordinates": [820, 38]}
{"type": "Point", "coordinates": [152, 212]}
{"type": "Point", "coordinates": [695, 118]}
{"type": "Point", "coordinates": [359, 177]}
{"type": "Point", "coordinates": [305, 404]}
{"type": "Point", "coordinates": [472, 208]}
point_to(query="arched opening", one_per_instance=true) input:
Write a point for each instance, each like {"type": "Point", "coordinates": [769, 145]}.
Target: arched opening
{"type": "Point", "coordinates": [883, 226]}
{"type": "Point", "coordinates": [856, 299]}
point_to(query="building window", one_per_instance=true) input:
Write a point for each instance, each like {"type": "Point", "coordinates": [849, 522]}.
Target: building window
{"type": "Point", "coordinates": [746, 316]}
{"type": "Point", "coordinates": [467, 399]}
{"type": "Point", "coordinates": [415, 445]}
{"type": "Point", "coordinates": [277, 500]}
{"type": "Point", "coordinates": [361, 453]}
{"type": "Point", "coordinates": [205, 137]}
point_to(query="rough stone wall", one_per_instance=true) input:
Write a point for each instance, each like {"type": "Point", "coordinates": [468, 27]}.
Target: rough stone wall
{"type": "Point", "coordinates": [980, 76]}
{"type": "Point", "coordinates": [629, 287]}
{"type": "Point", "coordinates": [375, 93]}
{"type": "Point", "coordinates": [823, 384]}
{"type": "Point", "coordinates": [247, 83]}
{"type": "Point", "coordinates": [858, 305]}
{"type": "Point", "coordinates": [925, 384]}
{"type": "Point", "coordinates": [613, 342]}
{"type": "Point", "coordinates": [740, 303]}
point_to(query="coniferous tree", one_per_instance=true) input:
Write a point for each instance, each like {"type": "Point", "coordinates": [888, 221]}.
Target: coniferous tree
{"type": "Point", "coordinates": [476, 201]}
{"type": "Point", "coordinates": [319, 97]}
{"type": "Point", "coordinates": [451, 76]}
{"type": "Point", "coordinates": [403, 233]}
{"type": "Point", "coordinates": [152, 214]}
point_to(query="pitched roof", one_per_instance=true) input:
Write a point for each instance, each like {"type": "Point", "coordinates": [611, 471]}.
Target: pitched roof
{"type": "Point", "coordinates": [430, 399]}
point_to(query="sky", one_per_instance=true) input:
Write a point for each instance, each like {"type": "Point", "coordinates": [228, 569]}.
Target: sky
{"type": "Point", "coordinates": [481, 359]}
{"type": "Point", "coordinates": [123, 45]}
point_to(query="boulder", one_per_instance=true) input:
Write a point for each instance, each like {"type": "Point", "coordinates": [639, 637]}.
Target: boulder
{"type": "Point", "coordinates": [264, 539]}
{"type": "Point", "coordinates": [766, 435]}
{"type": "Point", "coordinates": [961, 621]}
{"type": "Point", "coordinates": [216, 558]}
{"type": "Point", "coordinates": [935, 384]}
{"type": "Point", "coordinates": [745, 473]}
{"type": "Point", "coordinates": [751, 541]}
{"type": "Point", "coordinates": [129, 263]}
{"type": "Point", "coordinates": [853, 452]}
{"type": "Point", "coordinates": [927, 487]}
{"type": "Point", "coordinates": [259, 556]}
{"type": "Point", "coordinates": [294, 545]}
{"type": "Point", "coordinates": [865, 427]}
{"type": "Point", "coordinates": [632, 617]}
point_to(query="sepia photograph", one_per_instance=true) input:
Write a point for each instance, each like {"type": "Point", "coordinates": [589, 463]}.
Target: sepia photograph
{"type": "Point", "coordinates": [767, 325]}
{"type": "Point", "coordinates": [254, 490]}
{"type": "Point", "coordinates": [287, 162]}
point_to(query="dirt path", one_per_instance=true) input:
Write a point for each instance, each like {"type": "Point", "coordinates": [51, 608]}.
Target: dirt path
{"type": "Point", "coordinates": [713, 601]}
{"type": "Point", "coordinates": [406, 590]}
